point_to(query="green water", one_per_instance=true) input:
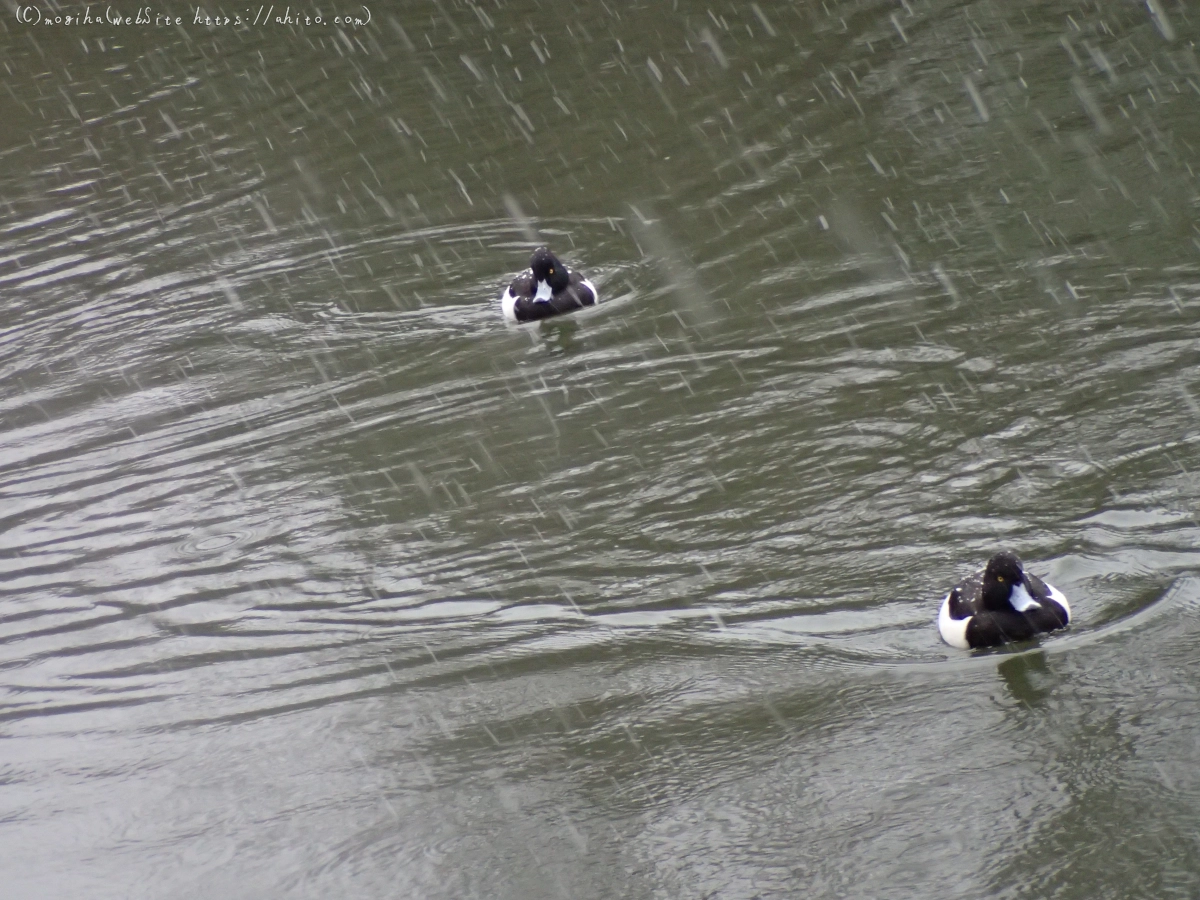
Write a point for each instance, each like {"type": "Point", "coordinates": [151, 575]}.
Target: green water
{"type": "Point", "coordinates": [319, 580]}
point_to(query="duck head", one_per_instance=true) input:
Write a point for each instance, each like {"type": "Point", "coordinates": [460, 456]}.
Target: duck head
{"type": "Point", "coordinates": [1004, 584]}
{"type": "Point", "coordinates": [550, 276]}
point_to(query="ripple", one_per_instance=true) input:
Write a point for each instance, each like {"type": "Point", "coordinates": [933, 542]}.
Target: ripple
{"type": "Point", "coordinates": [210, 544]}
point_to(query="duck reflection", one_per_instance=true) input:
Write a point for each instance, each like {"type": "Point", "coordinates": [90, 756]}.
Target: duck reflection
{"type": "Point", "coordinates": [1027, 676]}
{"type": "Point", "coordinates": [560, 336]}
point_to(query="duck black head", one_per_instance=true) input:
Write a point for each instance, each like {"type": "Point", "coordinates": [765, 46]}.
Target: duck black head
{"type": "Point", "coordinates": [547, 268]}
{"type": "Point", "coordinates": [1003, 573]}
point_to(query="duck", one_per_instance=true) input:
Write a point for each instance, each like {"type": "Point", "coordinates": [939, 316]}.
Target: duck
{"type": "Point", "coordinates": [547, 288]}
{"type": "Point", "coordinates": [1000, 605]}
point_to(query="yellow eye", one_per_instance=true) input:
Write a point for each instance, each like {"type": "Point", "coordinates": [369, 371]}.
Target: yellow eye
{"type": "Point", "coordinates": [1000, 578]}
{"type": "Point", "coordinates": [552, 270]}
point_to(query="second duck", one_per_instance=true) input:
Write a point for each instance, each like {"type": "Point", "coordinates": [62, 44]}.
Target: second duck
{"type": "Point", "coordinates": [1001, 604]}
{"type": "Point", "coordinates": [546, 289]}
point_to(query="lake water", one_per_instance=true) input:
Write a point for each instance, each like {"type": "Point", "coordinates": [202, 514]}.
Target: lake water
{"type": "Point", "coordinates": [318, 580]}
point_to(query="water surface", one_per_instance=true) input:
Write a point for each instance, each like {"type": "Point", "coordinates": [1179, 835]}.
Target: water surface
{"type": "Point", "coordinates": [318, 580]}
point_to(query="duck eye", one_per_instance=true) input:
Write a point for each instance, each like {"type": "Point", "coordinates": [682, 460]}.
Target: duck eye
{"type": "Point", "coordinates": [552, 270]}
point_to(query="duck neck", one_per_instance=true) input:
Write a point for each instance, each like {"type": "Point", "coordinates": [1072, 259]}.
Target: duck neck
{"type": "Point", "coordinates": [997, 595]}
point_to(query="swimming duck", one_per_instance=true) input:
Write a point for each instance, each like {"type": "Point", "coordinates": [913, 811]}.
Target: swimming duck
{"type": "Point", "coordinates": [546, 289]}
{"type": "Point", "coordinates": [1003, 603]}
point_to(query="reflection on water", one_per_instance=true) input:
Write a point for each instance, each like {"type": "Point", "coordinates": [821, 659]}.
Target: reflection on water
{"type": "Point", "coordinates": [320, 580]}
{"type": "Point", "coordinates": [1027, 677]}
